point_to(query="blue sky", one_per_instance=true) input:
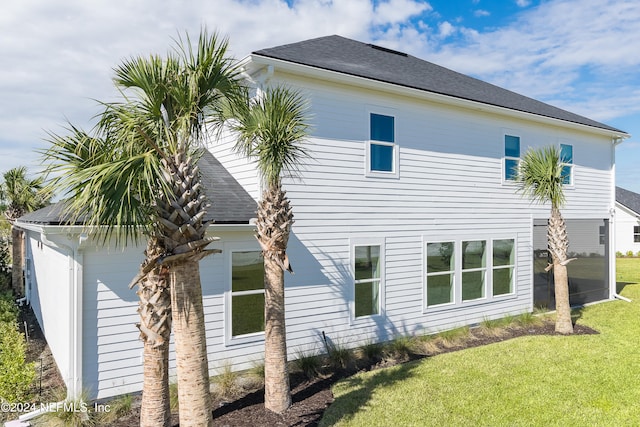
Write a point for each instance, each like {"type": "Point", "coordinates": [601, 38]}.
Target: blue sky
{"type": "Point", "coordinates": [580, 55]}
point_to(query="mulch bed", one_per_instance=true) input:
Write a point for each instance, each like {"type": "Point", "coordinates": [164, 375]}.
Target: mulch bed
{"type": "Point", "coordinates": [310, 398]}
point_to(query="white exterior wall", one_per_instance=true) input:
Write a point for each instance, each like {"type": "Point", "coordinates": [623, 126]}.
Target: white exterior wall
{"type": "Point", "coordinates": [625, 221]}
{"type": "Point", "coordinates": [49, 282]}
{"type": "Point", "coordinates": [449, 188]}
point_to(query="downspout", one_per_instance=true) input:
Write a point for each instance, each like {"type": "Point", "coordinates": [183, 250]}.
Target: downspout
{"type": "Point", "coordinates": [612, 226]}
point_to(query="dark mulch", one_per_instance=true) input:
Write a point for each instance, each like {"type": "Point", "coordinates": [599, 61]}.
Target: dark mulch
{"type": "Point", "coordinates": [310, 398]}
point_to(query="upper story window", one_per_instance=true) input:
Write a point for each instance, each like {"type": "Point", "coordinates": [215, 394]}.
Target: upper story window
{"type": "Point", "coordinates": [566, 157]}
{"type": "Point", "coordinates": [511, 157]}
{"type": "Point", "coordinates": [382, 151]}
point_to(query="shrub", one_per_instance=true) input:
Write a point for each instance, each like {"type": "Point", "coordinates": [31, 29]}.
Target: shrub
{"type": "Point", "coordinates": [619, 254]}
{"type": "Point", "coordinates": [372, 351]}
{"type": "Point", "coordinates": [75, 413]}
{"type": "Point", "coordinates": [309, 364]}
{"type": "Point", "coordinates": [340, 357]}
{"type": "Point", "coordinates": [399, 348]}
{"type": "Point", "coordinates": [118, 408]}
{"type": "Point", "coordinates": [629, 253]}
{"type": "Point", "coordinates": [454, 337]}
{"type": "Point", "coordinates": [226, 381]}
{"type": "Point", "coordinates": [8, 309]}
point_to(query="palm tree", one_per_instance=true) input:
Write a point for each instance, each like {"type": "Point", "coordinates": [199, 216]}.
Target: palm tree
{"type": "Point", "coordinates": [20, 195]}
{"type": "Point", "coordinates": [90, 169]}
{"type": "Point", "coordinates": [145, 178]}
{"type": "Point", "coordinates": [269, 129]}
{"type": "Point", "coordinates": [540, 177]}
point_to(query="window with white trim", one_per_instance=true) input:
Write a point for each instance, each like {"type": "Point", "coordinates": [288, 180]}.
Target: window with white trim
{"type": "Point", "coordinates": [440, 273]}
{"type": "Point", "coordinates": [382, 150]}
{"type": "Point", "coordinates": [511, 157]}
{"type": "Point", "coordinates": [566, 157]}
{"type": "Point", "coordinates": [503, 266]}
{"type": "Point", "coordinates": [247, 293]}
{"type": "Point", "coordinates": [367, 266]}
{"type": "Point", "coordinates": [636, 234]}
{"type": "Point", "coordinates": [474, 269]}
{"type": "Point", "coordinates": [465, 272]}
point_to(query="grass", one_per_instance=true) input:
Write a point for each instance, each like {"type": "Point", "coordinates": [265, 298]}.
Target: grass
{"type": "Point", "coordinates": [534, 380]}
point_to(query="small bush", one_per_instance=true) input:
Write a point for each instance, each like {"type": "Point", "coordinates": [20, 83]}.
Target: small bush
{"type": "Point", "coordinates": [340, 357]}
{"type": "Point", "coordinates": [309, 364]}
{"type": "Point", "coordinates": [74, 413]}
{"type": "Point", "coordinates": [372, 351]}
{"type": "Point", "coordinates": [226, 381]}
{"type": "Point", "coordinates": [118, 408]}
{"type": "Point", "coordinates": [399, 348]}
{"type": "Point", "coordinates": [528, 319]}
{"type": "Point", "coordinates": [454, 337]}
{"type": "Point", "coordinates": [494, 327]}
{"type": "Point", "coordinates": [173, 397]}
{"type": "Point", "coordinates": [629, 254]}
{"type": "Point", "coordinates": [619, 254]}
{"type": "Point", "coordinates": [17, 375]}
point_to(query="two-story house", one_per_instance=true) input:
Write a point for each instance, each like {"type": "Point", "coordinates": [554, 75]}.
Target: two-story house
{"type": "Point", "coordinates": [407, 219]}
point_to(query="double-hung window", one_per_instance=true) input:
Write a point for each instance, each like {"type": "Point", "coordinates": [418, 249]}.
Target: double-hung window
{"type": "Point", "coordinates": [503, 266]}
{"type": "Point", "coordinates": [440, 273]}
{"type": "Point", "coordinates": [367, 274]}
{"type": "Point", "coordinates": [474, 269]}
{"type": "Point", "coordinates": [636, 234]}
{"type": "Point", "coordinates": [511, 157]}
{"type": "Point", "coordinates": [566, 157]}
{"type": "Point", "coordinates": [247, 293]}
{"type": "Point", "coordinates": [382, 151]}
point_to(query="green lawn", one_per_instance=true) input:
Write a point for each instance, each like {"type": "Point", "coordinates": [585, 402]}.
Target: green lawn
{"type": "Point", "coordinates": [531, 381]}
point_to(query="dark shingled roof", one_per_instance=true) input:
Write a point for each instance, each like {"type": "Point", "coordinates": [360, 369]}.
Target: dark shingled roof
{"type": "Point", "coordinates": [628, 199]}
{"type": "Point", "coordinates": [231, 204]}
{"type": "Point", "coordinates": [342, 55]}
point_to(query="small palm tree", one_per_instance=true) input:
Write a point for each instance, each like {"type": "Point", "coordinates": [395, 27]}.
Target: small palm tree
{"type": "Point", "coordinates": [270, 129]}
{"type": "Point", "coordinates": [540, 177]}
{"type": "Point", "coordinates": [141, 175]}
{"type": "Point", "coordinates": [20, 195]}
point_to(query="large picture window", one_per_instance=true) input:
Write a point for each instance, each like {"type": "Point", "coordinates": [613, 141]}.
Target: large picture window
{"type": "Point", "coordinates": [381, 147]}
{"type": "Point", "coordinates": [440, 273]}
{"type": "Point", "coordinates": [511, 157]}
{"type": "Point", "coordinates": [247, 293]}
{"type": "Point", "coordinates": [503, 266]}
{"type": "Point", "coordinates": [367, 266]}
{"type": "Point", "coordinates": [474, 269]}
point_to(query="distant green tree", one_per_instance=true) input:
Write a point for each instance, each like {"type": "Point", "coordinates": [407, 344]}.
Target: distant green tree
{"type": "Point", "coordinates": [20, 195]}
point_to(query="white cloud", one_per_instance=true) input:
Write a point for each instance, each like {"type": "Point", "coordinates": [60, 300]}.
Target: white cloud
{"type": "Point", "coordinates": [523, 3]}
{"type": "Point", "coordinates": [445, 29]}
{"type": "Point", "coordinates": [481, 12]}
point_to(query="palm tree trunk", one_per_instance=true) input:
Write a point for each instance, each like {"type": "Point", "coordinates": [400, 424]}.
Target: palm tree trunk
{"type": "Point", "coordinates": [277, 395]}
{"type": "Point", "coordinates": [17, 262]}
{"type": "Point", "coordinates": [155, 331]}
{"type": "Point", "coordinates": [558, 245]}
{"type": "Point", "coordinates": [563, 309]}
{"type": "Point", "coordinates": [190, 341]}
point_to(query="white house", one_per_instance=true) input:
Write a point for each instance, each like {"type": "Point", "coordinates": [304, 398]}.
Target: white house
{"type": "Point", "coordinates": [627, 221]}
{"type": "Point", "coordinates": [407, 219]}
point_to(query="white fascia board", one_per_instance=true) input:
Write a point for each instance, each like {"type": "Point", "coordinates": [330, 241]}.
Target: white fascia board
{"type": "Point", "coordinates": [253, 63]}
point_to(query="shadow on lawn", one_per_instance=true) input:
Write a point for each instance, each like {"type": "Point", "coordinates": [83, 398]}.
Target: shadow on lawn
{"type": "Point", "coordinates": [363, 388]}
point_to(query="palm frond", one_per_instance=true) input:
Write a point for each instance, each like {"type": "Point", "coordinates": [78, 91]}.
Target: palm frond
{"type": "Point", "coordinates": [540, 176]}
{"type": "Point", "coordinates": [270, 129]}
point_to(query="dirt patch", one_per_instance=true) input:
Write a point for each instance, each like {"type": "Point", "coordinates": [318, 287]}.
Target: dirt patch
{"type": "Point", "coordinates": [310, 398]}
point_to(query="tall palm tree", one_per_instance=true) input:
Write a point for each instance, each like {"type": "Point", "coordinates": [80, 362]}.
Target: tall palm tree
{"type": "Point", "coordinates": [153, 140]}
{"type": "Point", "coordinates": [20, 195]}
{"type": "Point", "coordinates": [90, 169]}
{"type": "Point", "coordinates": [540, 177]}
{"type": "Point", "coordinates": [270, 129]}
